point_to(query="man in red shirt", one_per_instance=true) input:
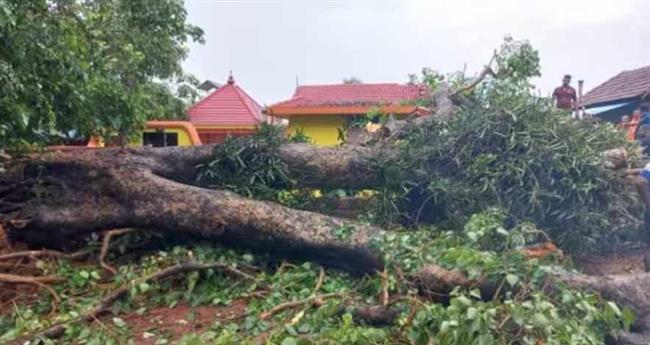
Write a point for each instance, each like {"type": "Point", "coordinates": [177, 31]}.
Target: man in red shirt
{"type": "Point", "coordinates": [564, 97]}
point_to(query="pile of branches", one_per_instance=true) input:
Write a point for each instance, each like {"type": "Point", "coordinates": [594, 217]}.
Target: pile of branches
{"type": "Point", "coordinates": [519, 154]}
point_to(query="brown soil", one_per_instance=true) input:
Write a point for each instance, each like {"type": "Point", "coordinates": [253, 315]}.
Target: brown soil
{"type": "Point", "coordinates": [622, 261]}
{"type": "Point", "coordinates": [173, 323]}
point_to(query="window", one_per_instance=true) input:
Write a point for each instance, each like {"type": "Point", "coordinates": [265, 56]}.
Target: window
{"type": "Point", "coordinates": [159, 139]}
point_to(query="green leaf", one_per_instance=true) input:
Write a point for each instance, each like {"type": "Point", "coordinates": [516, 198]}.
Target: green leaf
{"type": "Point", "coordinates": [144, 287]}
{"type": "Point", "coordinates": [614, 308]}
{"type": "Point", "coordinates": [628, 318]}
{"type": "Point", "coordinates": [472, 313]}
{"type": "Point", "coordinates": [119, 322]}
{"type": "Point", "coordinates": [512, 279]}
{"type": "Point", "coordinates": [289, 341]}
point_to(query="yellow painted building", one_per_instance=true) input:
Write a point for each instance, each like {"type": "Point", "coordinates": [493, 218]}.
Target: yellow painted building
{"type": "Point", "coordinates": [168, 133]}
{"type": "Point", "coordinates": [322, 129]}
{"type": "Point", "coordinates": [321, 111]}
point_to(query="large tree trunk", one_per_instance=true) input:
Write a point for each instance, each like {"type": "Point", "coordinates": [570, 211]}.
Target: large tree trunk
{"type": "Point", "coordinates": [94, 190]}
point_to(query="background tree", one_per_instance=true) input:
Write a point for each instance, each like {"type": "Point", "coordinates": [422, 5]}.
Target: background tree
{"type": "Point", "coordinates": [352, 80]}
{"type": "Point", "coordinates": [90, 67]}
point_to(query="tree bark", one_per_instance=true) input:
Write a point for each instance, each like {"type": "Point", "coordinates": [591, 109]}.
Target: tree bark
{"type": "Point", "coordinates": [156, 188]}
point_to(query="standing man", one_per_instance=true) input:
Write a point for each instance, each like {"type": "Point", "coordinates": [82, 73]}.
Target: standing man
{"type": "Point", "coordinates": [643, 130]}
{"type": "Point", "coordinates": [564, 97]}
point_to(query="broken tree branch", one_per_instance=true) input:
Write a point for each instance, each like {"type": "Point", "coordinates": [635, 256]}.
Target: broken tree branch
{"type": "Point", "coordinates": [37, 281]}
{"type": "Point", "coordinates": [32, 254]}
{"type": "Point", "coordinates": [315, 299]}
{"type": "Point", "coordinates": [105, 245]}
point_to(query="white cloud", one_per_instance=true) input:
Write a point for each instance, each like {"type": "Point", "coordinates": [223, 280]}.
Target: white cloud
{"type": "Point", "coordinates": [267, 44]}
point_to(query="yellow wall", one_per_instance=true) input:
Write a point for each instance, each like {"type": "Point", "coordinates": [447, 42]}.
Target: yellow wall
{"type": "Point", "coordinates": [183, 137]}
{"type": "Point", "coordinates": [322, 129]}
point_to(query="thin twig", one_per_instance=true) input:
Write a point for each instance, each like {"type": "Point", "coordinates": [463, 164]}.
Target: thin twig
{"type": "Point", "coordinates": [293, 304]}
{"type": "Point", "coordinates": [498, 290]}
{"type": "Point", "coordinates": [17, 279]}
{"type": "Point", "coordinates": [32, 254]}
{"type": "Point", "coordinates": [424, 203]}
{"type": "Point", "coordinates": [384, 288]}
{"type": "Point", "coordinates": [410, 317]}
{"type": "Point", "coordinates": [319, 283]}
{"type": "Point", "coordinates": [37, 281]}
{"type": "Point", "coordinates": [106, 303]}
{"type": "Point", "coordinates": [105, 245]}
{"type": "Point", "coordinates": [487, 70]}
{"type": "Point", "coordinates": [503, 322]}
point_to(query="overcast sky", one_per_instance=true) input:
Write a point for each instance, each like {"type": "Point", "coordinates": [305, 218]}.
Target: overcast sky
{"type": "Point", "coordinates": [268, 43]}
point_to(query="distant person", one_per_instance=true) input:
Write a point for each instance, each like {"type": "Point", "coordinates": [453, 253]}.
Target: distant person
{"type": "Point", "coordinates": [643, 130]}
{"type": "Point", "coordinates": [633, 125]}
{"type": "Point", "coordinates": [564, 97]}
{"type": "Point", "coordinates": [625, 122]}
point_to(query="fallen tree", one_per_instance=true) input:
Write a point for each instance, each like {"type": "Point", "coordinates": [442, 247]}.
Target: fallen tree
{"type": "Point", "coordinates": [470, 155]}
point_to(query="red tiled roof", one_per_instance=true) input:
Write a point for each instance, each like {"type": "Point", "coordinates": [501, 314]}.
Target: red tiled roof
{"type": "Point", "coordinates": [627, 84]}
{"type": "Point", "coordinates": [229, 105]}
{"type": "Point", "coordinates": [354, 94]}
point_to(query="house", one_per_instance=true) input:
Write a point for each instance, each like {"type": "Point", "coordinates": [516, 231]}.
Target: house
{"type": "Point", "coordinates": [228, 110]}
{"type": "Point", "coordinates": [618, 96]}
{"type": "Point", "coordinates": [167, 133]}
{"type": "Point", "coordinates": [319, 111]}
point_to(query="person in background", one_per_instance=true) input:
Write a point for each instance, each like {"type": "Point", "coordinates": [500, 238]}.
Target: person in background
{"type": "Point", "coordinates": [564, 97]}
{"type": "Point", "coordinates": [633, 125]}
{"type": "Point", "coordinates": [625, 122]}
{"type": "Point", "coordinates": [643, 129]}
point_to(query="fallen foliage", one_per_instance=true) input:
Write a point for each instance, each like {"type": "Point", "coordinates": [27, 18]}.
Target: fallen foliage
{"type": "Point", "coordinates": [302, 304]}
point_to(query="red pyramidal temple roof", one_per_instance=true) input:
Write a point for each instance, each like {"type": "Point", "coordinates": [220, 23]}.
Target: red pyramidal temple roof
{"type": "Point", "coordinates": [354, 94]}
{"type": "Point", "coordinates": [229, 105]}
